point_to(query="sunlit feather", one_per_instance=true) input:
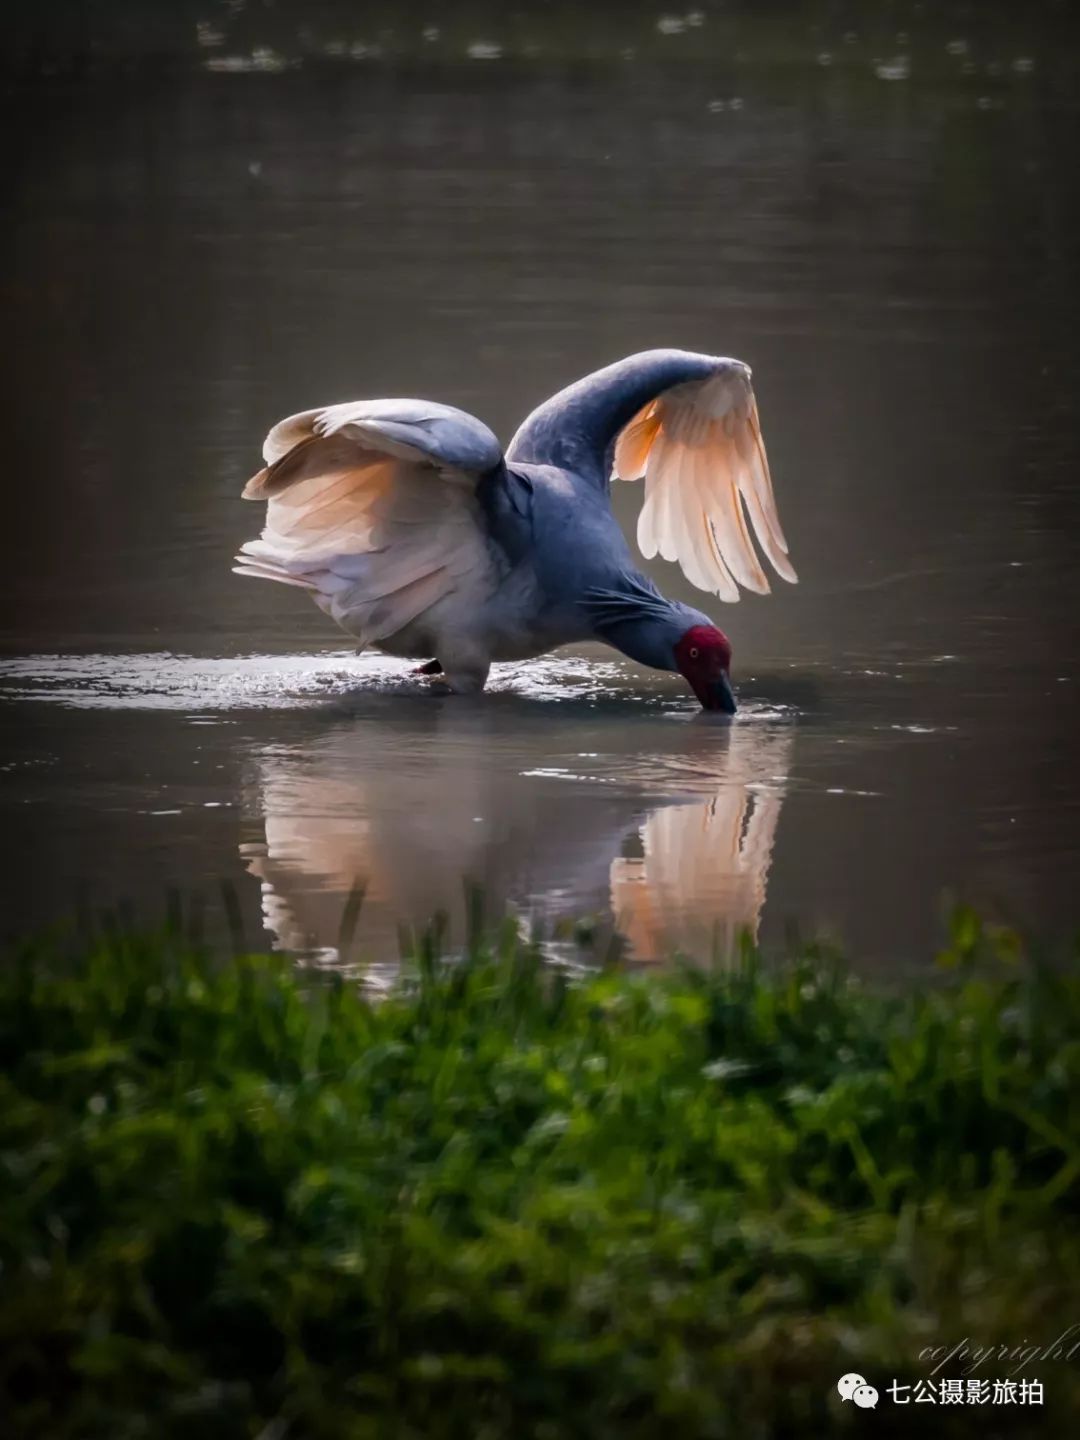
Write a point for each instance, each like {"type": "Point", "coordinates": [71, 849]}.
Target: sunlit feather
{"type": "Point", "coordinates": [700, 449]}
{"type": "Point", "coordinates": [371, 507]}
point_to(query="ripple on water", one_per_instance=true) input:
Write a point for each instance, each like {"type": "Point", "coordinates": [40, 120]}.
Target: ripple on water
{"type": "Point", "coordinates": [199, 683]}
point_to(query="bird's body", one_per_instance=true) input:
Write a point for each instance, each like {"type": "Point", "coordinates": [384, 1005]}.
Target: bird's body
{"type": "Point", "coordinates": [409, 526]}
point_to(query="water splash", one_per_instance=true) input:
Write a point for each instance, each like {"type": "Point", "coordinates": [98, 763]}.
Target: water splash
{"type": "Point", "coordinates": [165, 681]}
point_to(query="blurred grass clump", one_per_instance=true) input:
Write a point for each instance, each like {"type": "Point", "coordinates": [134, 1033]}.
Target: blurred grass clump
{"type": "Point", "coordinates": [237, 1200]}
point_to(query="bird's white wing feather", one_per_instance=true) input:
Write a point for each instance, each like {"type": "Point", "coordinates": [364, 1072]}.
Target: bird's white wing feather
{"type": "Point", "coordinates": [699, 448]}
{"type": "Point", "coordinates": [371, 507]}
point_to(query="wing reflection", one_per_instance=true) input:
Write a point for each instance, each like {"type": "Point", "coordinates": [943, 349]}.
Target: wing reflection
{"type": "Point", "coordinates": [667, 829]}
{"type": "Point", "coordinates": [700, 881]}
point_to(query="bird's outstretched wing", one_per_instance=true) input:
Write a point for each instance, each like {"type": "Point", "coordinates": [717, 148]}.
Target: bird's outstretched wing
{"type": "Point", "coordinates": [372, 509]}
{"type": "Point", "coordinates": [698, 445]}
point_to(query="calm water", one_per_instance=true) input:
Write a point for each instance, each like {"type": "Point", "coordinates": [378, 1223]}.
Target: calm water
{"type": "Point", "coordinates": [215, 223]}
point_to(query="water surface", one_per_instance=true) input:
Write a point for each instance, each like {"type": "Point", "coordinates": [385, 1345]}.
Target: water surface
{"type": "Point", "coordinates": [226, 225]}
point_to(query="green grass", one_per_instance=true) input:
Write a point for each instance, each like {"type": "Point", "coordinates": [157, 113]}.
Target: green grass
{"type": "Point", "coordinates": [235, 1201]}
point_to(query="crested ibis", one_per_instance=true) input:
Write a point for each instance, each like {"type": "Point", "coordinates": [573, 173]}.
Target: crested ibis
{"type": "Point", "coordinates": [408, 524]}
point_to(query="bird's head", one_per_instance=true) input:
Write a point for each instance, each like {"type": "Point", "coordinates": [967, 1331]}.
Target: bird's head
{"type": "Point", "coordinates": [703, 657]}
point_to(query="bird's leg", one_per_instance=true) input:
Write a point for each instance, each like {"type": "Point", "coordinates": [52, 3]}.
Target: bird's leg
{"type": "Point", "coordinates": [465, 661]}
{"type": "Point", "coordinates": [467, 679]}
{"type": "Point", "coordinates": [433, 667]}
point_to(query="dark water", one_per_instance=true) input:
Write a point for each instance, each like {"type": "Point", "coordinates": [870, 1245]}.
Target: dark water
{"type": "Point", "coordinates": [219, 214]}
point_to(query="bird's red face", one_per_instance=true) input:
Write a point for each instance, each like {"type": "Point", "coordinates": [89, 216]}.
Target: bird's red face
{"type": "Point", "coordinates": [703, 656]}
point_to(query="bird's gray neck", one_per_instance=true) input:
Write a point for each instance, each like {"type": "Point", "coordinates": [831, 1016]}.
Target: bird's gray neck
{"type": "Point", "coordinates": [577, 428]}
{"type": "Point", "coordinates": [634, 617]}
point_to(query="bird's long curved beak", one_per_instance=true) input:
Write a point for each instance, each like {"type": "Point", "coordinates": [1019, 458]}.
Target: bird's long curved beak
{"type": "Point", "coordinates": [721, 696]}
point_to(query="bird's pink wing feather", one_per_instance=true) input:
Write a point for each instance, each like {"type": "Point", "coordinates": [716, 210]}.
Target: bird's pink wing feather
{"type": "Point", "coordinates": [700, 450]}
{"type": "Point", "coordinates": [362, 515]}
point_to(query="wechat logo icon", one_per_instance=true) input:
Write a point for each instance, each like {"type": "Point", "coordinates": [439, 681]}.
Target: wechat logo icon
{"type": "Point", "coordinates": [854, 1387]}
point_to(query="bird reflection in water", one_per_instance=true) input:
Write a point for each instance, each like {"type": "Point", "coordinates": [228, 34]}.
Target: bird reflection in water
{"type": "Point", "coordinates": [699, 884]}
{"type": "Point", "coordinates": [666, 842]}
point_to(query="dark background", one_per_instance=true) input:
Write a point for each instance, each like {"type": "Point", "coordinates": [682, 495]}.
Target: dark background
{"type": "Point", "coordinates": [220, 213]}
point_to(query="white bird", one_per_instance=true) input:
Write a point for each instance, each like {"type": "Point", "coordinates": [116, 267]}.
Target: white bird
{"type": "Point", "coordinates": [406, 523]}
